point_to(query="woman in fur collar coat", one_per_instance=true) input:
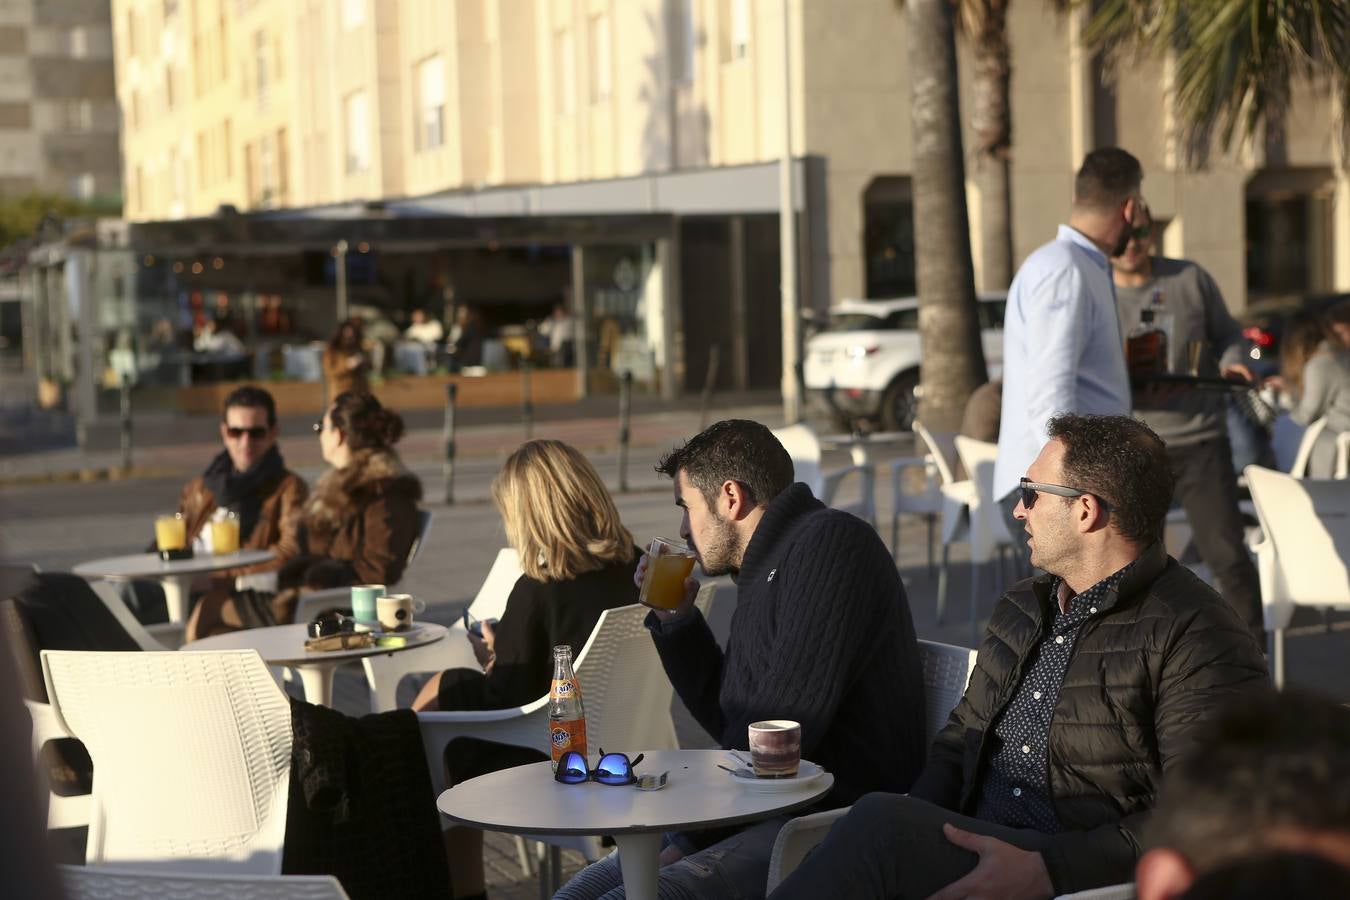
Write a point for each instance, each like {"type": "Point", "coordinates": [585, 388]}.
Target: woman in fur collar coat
{"type": "Point", "coordinates": [359, 523]}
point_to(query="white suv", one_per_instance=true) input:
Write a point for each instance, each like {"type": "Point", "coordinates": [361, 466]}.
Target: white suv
{"type": "Point", "coordinates": [865, 364]}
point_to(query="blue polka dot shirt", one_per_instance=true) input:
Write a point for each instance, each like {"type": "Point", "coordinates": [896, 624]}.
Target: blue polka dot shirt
{"type": "Point", "coordinates": [1016, 789]}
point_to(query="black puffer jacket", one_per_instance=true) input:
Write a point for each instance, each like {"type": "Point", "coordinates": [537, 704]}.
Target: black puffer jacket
{"type": "Point", "coordinates": [1163, 651]}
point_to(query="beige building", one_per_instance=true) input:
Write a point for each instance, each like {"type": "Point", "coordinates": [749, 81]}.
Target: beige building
{"type": "Point", "coordinates": [58, 114]}
{"type": "Point", "coordinates": [532, 112]}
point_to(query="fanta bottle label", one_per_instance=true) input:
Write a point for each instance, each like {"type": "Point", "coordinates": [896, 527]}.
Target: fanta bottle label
{"type": "Point", "coordinates": [567, 734]}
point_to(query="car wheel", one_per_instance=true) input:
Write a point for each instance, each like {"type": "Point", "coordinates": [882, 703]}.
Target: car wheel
{"type": "Point", "coordinates": [900, 403]}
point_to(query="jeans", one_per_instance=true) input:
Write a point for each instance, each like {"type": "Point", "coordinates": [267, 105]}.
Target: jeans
{"type": "Point", "coordinates": [892, 845]}
{"type": "Point", "coordinates": [732, 869]}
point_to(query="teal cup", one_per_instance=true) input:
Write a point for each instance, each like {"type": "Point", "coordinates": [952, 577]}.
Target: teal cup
{"type": "Point", "coordinates": [363, 602]}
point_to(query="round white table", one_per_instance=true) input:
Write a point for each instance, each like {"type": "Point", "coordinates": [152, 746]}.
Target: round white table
{"type": "Point", "coordinates": [174, 574]}
{"type": "Point", "coordinates": [284, 645]}
{"type": "Point", "coordinates": [526, 800]}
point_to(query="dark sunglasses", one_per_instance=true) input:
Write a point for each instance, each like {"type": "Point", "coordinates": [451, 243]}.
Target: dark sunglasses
{"type": "Point", "coordinates": [330, 621]}
{"type": "Point", "coordinates": [257, 432]}
{"type": "Point", "coordinates": [613, 768]}
{"type": "Point", "coordinates": [1031, 488]}
{"type": "Point", "coordinates": [1141, 232]}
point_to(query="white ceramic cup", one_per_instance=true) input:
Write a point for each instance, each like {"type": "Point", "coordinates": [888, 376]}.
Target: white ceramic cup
{"type": "Point", "coordinates": [395, 612]}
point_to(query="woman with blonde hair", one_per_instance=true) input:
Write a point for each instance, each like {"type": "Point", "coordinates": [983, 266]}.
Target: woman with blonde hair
{"type": "Point", "coordinates": [578, 561]}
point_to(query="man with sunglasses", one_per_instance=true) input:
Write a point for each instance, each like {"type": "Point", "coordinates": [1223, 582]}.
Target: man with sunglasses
{"type": "Point", "coordinates": [1193, 423]}
{"type": "Point", "coordinates": [249, 478]}
{"type": "Point", "coordinates": [1062, 345]}
{"type": "Point", "coordinates": [1092, 683]}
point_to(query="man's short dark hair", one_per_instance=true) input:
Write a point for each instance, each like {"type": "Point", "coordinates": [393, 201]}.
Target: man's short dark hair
{"type": "Point", "coordinates": [1108, 177]}
{"type": "Point", "coordinates": [1289, 876]}
{"type": "Point", "coordinates": [1265, 763]}
{"type": "Point", "coordinates": [254, 397]}
{"type": "Point", "coordinates": [1121, 461]}
{"type": "Point", "coordinates": [736, 450]}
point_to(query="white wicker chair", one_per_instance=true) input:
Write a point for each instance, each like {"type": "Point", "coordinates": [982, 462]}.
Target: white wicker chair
{"type": "Point", "coordinates": [383, 673]}
{"type": "Point", "coordinates": [191, 752]}
{"type": "Point", "coordinates": [94, 883]}
{"type": "Point", "coordinates": [803, 446]}
{"type": "Point", "coordinates": [926, 503]}
{"type": "Point", "coordinates": [946, 669]}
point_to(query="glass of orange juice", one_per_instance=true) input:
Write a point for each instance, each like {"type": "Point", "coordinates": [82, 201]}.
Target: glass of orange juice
{"type": "Point", "coordinates": [171, 536]}
{"type": "Point", "coordinates": [668, 565]}
{"type": "Point", "coordinates": [225, 534]}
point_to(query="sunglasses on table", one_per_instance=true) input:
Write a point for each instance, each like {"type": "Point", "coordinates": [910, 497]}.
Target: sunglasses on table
{"type": "Point", "coordinates": [613, 768]}
{"type": "Point", "coordinates": [257, 432]}
{"type": "Point", "coordinates": [1031, 488]}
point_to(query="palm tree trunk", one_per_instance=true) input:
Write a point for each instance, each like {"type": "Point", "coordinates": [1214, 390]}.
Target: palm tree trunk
{"type": "Point", "coordinates": [953, 360]}
{"type": "Point", "coordinates": [991, 123]}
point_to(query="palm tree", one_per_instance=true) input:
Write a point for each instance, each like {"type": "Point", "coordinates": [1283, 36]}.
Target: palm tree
{"type": "Point", "coordinates": [1235, 59]}
{"type": "Point", "coordinates": [953, 359]}
{"type": "Point", "coordinates": [985, 24]}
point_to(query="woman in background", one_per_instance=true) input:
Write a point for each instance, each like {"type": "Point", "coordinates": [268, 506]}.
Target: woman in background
{"type": "Point", "coordinates": [357, 527]}
{"type": "Point", "coordinates": [578, 561]}
{"type": "Point", "coordinates": [1315, 370]}
{"type": "Point", "coordinates": [345, 361]}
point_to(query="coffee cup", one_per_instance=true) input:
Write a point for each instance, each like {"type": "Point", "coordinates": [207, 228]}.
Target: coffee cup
{"type": "Point", "coordinates": [775, 747]}
{"type": "Point", "coordinates": [363, 602]}
{"type": "Point", "coordinates": [395, 612]}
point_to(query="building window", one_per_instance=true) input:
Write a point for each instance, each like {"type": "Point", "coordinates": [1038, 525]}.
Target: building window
{"type": "Point", "coordinates": [227, 152]}
{"type": "Point", "coordinates": [358, 133]}
{"type": "Point", "coordinates": [267, 170]}
{"type": "Point", "coordinates": [260, 67]}
{"type": "Point", "coordinates": [283, 183]}
{"type": "Point", "coordinates": [599, 58]}
{"type": "Point", "coordinates": [684, 42]}
{"type": "Point", "coordinates": [735, 30]}
{"type": "Point", "coordinates": [564, 75]}
{"type": "Point", "coordinates": [203, 176]}
{"type": "Point", "coordinates": [77, 115]}
{"type": "Point", "coordinates": [81, 186]}
{"type": "Point", "coordinates": [77, 42]}
{"type": "Point", "coordinates": [353, 13]}
{"type": "Point", "coordinates": [429, 127]}
{"type": "Point", "coordinates": [131, 34]}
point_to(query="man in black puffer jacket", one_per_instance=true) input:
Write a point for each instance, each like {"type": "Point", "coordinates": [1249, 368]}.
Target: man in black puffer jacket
{"type": "Point", "coordinates": [821, 635]}
{"type": "Point", "coordinates": [1090, 685]}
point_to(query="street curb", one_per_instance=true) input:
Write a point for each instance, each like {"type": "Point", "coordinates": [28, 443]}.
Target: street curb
{"type": "Point", "coordinates": [106, 473]}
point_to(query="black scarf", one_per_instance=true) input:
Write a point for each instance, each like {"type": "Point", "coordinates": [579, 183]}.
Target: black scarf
{"type": "Point", "coordinates": [242, 492]}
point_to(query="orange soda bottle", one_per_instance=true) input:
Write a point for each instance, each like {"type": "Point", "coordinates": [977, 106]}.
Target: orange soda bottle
{"type": "Point", "coordinates": [566, 715]}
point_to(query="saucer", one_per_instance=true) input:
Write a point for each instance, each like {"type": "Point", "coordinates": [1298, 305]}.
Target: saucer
{"type": "Point", "coordinates": [807, 772]}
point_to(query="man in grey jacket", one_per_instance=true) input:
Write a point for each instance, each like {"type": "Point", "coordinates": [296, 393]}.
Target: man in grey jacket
{"type": "Point", "coordinates": [1193, 422]}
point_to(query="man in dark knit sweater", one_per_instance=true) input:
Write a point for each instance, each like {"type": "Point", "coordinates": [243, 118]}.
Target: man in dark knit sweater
{"type": "Point", "coordinates": [1092, 682]}
{"type": "Point", "coordinates": [821, 635]}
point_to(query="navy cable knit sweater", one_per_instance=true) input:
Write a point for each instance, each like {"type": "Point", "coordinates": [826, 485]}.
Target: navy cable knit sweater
{"type": "Point", "coordinates": [821, 634]}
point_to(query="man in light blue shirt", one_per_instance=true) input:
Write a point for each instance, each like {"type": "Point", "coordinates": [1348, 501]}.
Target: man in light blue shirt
{"type": "Point", "coordinates": [1062, 347]}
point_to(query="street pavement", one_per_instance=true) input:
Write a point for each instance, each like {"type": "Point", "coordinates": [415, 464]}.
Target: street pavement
{"type": "Point", "coordinates": [59, 523]}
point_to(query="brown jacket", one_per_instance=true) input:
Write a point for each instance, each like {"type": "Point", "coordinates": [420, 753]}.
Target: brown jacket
{"type": "Point", "coordinates": [365, 515]}
{"type": "Point", "coordinates": [342, 379]}
{"type": "Point", "coordinates": [278, 527]}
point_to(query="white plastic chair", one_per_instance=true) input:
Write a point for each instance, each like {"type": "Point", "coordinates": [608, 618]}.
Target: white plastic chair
{"type": "Point", "coordinates": [1301, 558]}
{"type": "Point", "coordinates": [627, 696]}
{"type": "Point", "coordinates": [988, 531]}
{"type": "Point", "coordinates": [946, 670]}
{"type": "Point", "coordinates": [803, 446]}
{"type": "Point", "coordinates": [94, 883]}
{"type": "Point", "coordinates": [957, 496]}
{"type": "Point", "coordinates": [926, 503]}
{"type": "Point", "coordinates": [192, 755]}
{"type": "Point", "coordinates": [1305, 445]}
{"type": "Point", "coordinates": [383, 673]}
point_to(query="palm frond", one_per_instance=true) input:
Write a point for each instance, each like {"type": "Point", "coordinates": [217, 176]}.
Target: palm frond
{"type": "Point", "coordinates": [1235, 59]}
